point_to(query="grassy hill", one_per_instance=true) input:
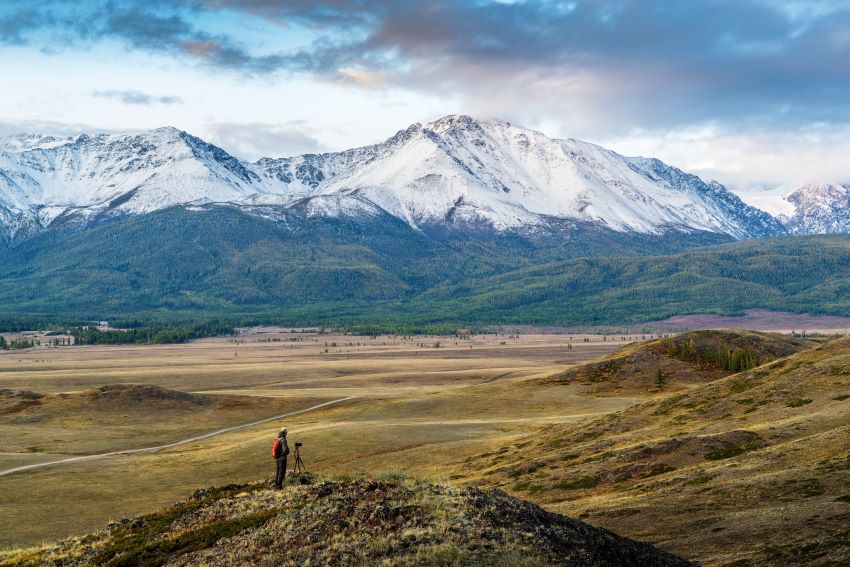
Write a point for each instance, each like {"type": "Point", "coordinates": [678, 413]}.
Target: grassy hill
{"type": "Point", "coordinates": [683, 360]}
{"type": "Point", "coordinates": [749, 468]}
{"type": "Point", "coordinates": [360, 522]}
{"type": "Point", "coordinates": [190, 264]}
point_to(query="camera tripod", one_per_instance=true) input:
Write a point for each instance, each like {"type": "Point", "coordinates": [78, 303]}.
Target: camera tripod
{"type": "Point", "coordinates": [299, 467]}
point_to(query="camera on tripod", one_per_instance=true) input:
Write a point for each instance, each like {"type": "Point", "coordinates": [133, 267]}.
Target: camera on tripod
{"type": "Point", "coordinates": [299, 467]}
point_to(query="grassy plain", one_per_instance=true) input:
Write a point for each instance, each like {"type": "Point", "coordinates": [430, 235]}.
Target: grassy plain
{"type": "Point", "coordinates": [723, 467]}
{"type": "Point", "coordinates": [415, 406]}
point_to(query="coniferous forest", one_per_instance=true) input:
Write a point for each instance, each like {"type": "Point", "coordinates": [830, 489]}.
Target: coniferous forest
{"type": "Point", "coordinates": [180, 267]}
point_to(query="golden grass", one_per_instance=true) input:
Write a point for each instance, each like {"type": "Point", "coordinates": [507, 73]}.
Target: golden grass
{"type": "Point", "coordinates": [728, 472]}
{"type": "Point", "coordinates": [417, 409]}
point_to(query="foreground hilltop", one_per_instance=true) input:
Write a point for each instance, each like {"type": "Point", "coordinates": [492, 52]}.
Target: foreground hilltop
{"type": "Point", "coordinates": [349, 523]}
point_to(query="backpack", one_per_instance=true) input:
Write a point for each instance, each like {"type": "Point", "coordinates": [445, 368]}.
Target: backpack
{"type": "Point", "coordinates": [277, 449]}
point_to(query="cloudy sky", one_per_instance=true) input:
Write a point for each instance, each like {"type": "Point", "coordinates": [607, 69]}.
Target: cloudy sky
{"type": "Point", "coordinates": [753, 93]}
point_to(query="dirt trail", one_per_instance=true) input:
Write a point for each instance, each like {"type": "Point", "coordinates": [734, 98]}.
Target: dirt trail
{"type": "Point", "coordinates": [169, 445]}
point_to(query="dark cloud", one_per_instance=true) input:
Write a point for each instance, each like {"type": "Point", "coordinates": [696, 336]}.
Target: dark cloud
{"type": "Point", "coordinates": [17, 23]}
{"type": "Point", "coordinates": [150, 25]}
{"type": "Point", "coordinates": [137, 97]}
{"type": "Point", "coordinates": [631, 62]}
{"type": "Point", "coordinates": [619, 63]}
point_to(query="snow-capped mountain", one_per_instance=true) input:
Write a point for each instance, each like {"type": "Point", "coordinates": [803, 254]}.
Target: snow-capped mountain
{"type": "Point", "coordinates": [456, 171]}
{"type": "Point", "coordinates": [133, 173]}
{"type": "Point", "coordinates": [817, 209]}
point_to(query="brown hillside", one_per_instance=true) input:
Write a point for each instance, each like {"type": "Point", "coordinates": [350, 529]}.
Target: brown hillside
{"type": "Point", "coordinates": [750, 469]}
{"type": "Point", "coordinates": [134, 394]}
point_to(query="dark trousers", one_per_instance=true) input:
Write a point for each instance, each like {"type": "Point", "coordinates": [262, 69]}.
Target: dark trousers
{"type": "Point", "coordinates": [281, 472]}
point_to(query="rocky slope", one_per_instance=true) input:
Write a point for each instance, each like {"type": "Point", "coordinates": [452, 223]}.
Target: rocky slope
{"type": "Point", "coordinates": [349, 523]}
{"type": "Point", "coordinates": [455, 172]}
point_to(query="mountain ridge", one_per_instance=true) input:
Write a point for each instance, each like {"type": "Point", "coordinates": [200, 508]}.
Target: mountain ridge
{"type": "Point", "coordinates": [456, 172]}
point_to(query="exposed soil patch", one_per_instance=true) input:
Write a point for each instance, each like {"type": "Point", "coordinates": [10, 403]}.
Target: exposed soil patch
{"type": "Point", "coordinates": [17, 401]}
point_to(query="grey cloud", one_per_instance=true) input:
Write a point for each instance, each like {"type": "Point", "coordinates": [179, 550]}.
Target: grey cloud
{"type": "Point", "coordinates": [146, 27]}
{"type": "Point", "coordinates": [255, 140]}
{"type": "Point", "coordinates": [153, 25]}
{"type": "Point", "coordinates": [137, 97]}
{"type": "Point", "coordinates": [623, 62]}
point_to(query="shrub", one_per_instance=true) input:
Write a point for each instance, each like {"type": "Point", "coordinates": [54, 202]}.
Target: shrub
{"type": "Point", "coordinates": [582, 483]}
{"type": "Point", "coordinates": [728, 450]}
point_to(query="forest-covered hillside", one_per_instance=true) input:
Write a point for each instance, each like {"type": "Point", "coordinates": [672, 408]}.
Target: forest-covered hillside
{"type": "Point", "coordinates": [220, 262]}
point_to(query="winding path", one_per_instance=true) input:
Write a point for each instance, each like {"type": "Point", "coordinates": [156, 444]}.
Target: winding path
{"type": "Point", "coordinates": [169, 445]}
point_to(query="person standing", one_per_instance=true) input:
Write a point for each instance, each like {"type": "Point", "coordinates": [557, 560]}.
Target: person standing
{"type": "Point", "coordinates": [280, 449]}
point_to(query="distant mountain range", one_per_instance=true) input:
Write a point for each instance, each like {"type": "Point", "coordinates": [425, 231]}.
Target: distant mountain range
{"type": "Point", "coordinates": [457, 220]}
{"type": "Point", "coordinates": [456, 173]}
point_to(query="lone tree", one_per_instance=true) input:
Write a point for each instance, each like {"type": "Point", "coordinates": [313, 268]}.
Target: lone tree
{"type": "Point", "coordinates": [660, 379]}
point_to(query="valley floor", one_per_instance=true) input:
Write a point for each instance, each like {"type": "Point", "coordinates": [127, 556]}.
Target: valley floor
{"type": "Point", "coordinates": [716, 465]}
{"type": "Point", "coordinates": [415, 406]}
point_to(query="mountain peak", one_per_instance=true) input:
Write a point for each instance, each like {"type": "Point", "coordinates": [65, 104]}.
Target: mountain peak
{"type": "Point", "coordinates": [818, 208]}
{"type": "Point", "coordinates": [451, 121]}
{"type": "Point", "coordinates": [166, 132]}
{"type": "Point", "coordinates": [810, 188]}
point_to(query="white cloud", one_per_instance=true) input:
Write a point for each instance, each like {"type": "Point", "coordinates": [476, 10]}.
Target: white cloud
{"type": "Point", "coordinates": [754, 162]}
